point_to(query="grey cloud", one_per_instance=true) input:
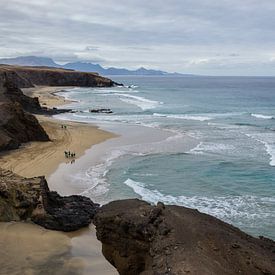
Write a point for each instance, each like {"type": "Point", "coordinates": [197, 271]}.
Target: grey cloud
{"type": "Point", "coordinates": [176, 35]}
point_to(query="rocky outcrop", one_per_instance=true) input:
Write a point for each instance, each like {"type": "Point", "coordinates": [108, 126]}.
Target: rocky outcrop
{"type": "Point", "coordinates": [30, 199]}
{"type": "Point", "coordinates": [9, 91]}
{"type": "Point", "coordinates": [25, 77]}
{"type": "Point", "coordinates": [102, 111]}
{"type": "Point", "coordinates": [18, 126]}
{"type": "Point", "coordinates": [139, 238]}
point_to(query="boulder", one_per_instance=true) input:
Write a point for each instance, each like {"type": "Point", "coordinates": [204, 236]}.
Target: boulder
{"type": "Point", "coordinates": [23, 199]}
{"type": "Point", "coordinates": [102, 110]}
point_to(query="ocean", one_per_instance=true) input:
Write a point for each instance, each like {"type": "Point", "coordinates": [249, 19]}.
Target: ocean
{"type": "Point", "coordinates": [202, 142]}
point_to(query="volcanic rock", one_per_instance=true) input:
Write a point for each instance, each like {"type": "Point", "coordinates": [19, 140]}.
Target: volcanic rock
{"type": "Point", "coordinates": [139, 238]}
{"type": "Point", "coordinates": [23, 199]}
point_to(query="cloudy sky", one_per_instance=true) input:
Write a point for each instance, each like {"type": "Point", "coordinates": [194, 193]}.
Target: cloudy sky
{"type": "Point", "coordinates": [213, 37]}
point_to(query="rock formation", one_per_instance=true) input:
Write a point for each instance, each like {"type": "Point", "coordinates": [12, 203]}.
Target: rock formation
{"type": "Point", "coordinates": [102, 110]}
{"type": "Point", "coordinates": [139, 238]}
{"type": "Point", "coordinates": [25, 77]}
{"type": "Point", "coordinates": [24, 199]}
{"type": "Point", "coordinates": [17, 125]}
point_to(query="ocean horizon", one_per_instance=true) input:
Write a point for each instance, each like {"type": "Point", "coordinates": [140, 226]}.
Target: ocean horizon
{"type": "Point", "coordinates": [201, 142]}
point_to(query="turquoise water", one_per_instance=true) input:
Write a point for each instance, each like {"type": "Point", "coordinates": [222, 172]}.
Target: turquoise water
{"type": "Point", "coordinates": [220, 153]}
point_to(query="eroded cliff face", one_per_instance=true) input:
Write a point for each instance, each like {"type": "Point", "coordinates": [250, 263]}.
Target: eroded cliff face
{"type": "Point", "coordinates": [25, 77]}
{"type": "Point", "coordinates": [17, 125]}
{"type": "Point", "coordinates": [23, 199]}
{"type": "Point", "coordinates": [139, 238]}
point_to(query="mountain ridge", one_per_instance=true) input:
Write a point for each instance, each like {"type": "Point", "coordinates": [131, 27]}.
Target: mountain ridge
{"type": "Point", "coordinates": [84, 66]}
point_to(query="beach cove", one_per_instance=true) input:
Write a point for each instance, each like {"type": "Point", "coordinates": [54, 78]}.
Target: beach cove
{"type": "Point", "coordinates": [166, 129]}
{"type": "Point", "coordinates": [44, 250]}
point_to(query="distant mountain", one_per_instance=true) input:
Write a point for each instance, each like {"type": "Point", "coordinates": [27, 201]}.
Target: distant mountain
{"type": "Point", "coordinates": [30, 61]}
{"type": "Point", "coordinates": [90, 67]}
{"type": "Point", "coordinates": [84, 67]}
{"type": "Point", "coordinates": [80, 66]}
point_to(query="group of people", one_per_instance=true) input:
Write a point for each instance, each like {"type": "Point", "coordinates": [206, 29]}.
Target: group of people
{"type": "Point", "coordinates": [69, 154]}
{"type": "Point", "coordinates": [63, 126]}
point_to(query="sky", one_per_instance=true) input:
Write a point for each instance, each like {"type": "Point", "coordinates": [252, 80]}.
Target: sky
{"type": "Point", "coordinates": [210, 37]}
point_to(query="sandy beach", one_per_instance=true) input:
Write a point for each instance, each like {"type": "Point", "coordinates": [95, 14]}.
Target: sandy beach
{"type": "Point", "coordinates": [47, 95]}
{"type": "Point", "coordinates": [30, 159]}
{"type": "Point", "coordinates": [40, 249]}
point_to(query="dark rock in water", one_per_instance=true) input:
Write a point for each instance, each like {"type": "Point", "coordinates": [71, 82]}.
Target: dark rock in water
{"type": "Point", "coordinates": [102, 110]}
{"type": "Point", "coordinates": [31, 199]}
{"type": "Point", "coordinates": [139, 238]}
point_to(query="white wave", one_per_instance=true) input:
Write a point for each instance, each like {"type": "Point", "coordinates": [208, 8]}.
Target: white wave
{"type": "Point", "coordinates": [210, 147]}
{"type": "Point", "coordinates": [141, 102]}
{"type": "Point", "coordinates": [186, 117]}
{"type": "Point", "coordinates": [95, 176]}
{"type": "Point", "coordinates": [239, 208]}
{"type": "Point", "coordinates": [268, 140]}
{"type": "Point", "coordinates": [199, 117]}
{"type": "Point", "coordinates": [132, 86]}
{"type": "Point", "coordinates": [262, 116]}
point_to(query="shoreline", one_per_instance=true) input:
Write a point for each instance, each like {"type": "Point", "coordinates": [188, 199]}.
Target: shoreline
{"type": "Point", "coordinates": [78, 251]}
{"type": "Point", "coordinates": [47, 95]}
{"type": "Point", "coordinates": [29, 160]}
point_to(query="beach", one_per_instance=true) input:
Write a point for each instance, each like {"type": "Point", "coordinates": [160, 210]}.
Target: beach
{"type": "Point", "coordinates": [179, 147]}
{"type": "Point", "coordinates": [77, 252]}
{"type": "Point", "coordinates": [29, 160]}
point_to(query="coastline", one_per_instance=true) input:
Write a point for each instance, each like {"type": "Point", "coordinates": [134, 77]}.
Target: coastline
{"type": "Point", "coordinates": [80, 251]}
{"type": "Point", "coordinates": [47, 95]}
{"type": "Point", "coordinates": [29, 160]}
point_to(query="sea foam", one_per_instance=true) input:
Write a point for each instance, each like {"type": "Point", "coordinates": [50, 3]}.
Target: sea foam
{"type": "Point", "coordinates": [267, 140]}
{"type": "Point", "coordinates": [262, 116]}
{"type": "Point", "coordinates": [243, 209]}
{"type": "Point", "coordinates": [210, 147]}
{"type": "Point", "coordinates": [182, 116]}
{"type": "Point", "coordinates": [141, 102]}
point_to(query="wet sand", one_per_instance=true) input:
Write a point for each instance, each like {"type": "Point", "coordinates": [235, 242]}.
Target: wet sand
{"type": "Point", "coordinates": [31, 249]}
{"type": "Point", "coordinates": [47, 95]}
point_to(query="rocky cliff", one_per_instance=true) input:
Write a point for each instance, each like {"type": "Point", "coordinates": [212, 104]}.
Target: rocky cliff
{"type": "Point", "coordinates": [17, 125]}
{"type": "Point", "coordinates": [25, 77]}
{"type": "Point", "coordinates": [24, 199]}
{"type": "Point", "coordinates": [139, 238]}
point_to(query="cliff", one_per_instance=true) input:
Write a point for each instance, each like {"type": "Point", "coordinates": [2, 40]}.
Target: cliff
{"type": "Point", "coordinates": [17, 125]}
{"type": "Point", "coordinates": [24, 199]}
{"type": "Point", "coordinates": [139, 238]}
{"type": "Point", "coordinates": [25, 77]}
